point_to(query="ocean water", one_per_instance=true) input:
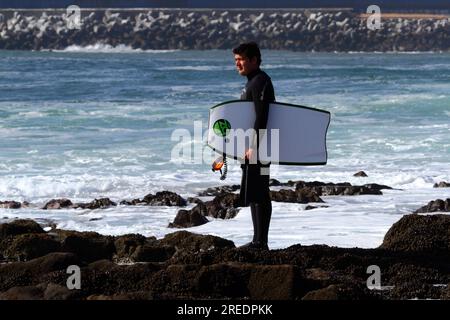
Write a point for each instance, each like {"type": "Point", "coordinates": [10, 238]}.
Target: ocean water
{"type": "Point", "coordinates": [93, 122]}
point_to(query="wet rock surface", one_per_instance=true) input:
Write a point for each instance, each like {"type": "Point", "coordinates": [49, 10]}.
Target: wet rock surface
{"type": "Point", "coordinates": [304, 195]}
{"type": "Point", "coordinates": [438, 205]}
{"type": "Point", "coordinates": [190, 218]}
{"type": "Point", "coordinates": [10, 205]}
{"type": "Point", "coordinates": [96, 204]}
{"type": "Point", "coordinates": [360, 174]}
{"type": "Point", "coordinates": [341, 189]}
{"type": "Point", "coordinates": [19, 227]}
{"type": "Point", "coordinates": [442, 184]}
{"type": "Point", "coordinates": [126, 245]}
{"type": "Point", "coordinates": [420, 233]}
{"type": "Point", "coordinates": [215, 191]}
{"type": "Point", "coordinates": [67, 204]}
{"type": "Point", "coordinates": [223, 206]}
{"type": "Point", "coordinates": [314, 207]}
{"type": "Point", "coordinates": [58, 204]}
{"type": "Point", "coordinates": [413, 260]}
{"type": "Point", "coordinates": [162, 198]}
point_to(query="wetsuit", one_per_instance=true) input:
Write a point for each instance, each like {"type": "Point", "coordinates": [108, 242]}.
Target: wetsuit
{"type": "Point", "coordinates": [254, 190]}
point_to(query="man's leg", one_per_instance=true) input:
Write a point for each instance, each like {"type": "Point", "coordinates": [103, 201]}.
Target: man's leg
{"type": "Point", "coordinates": [255, 221]}
{"type": "Point", "coordinates": [256, 225]}
{"type": "Point", "coordinates": [263, 216]}
{"type": "Point", "coordinates": [255, 189]}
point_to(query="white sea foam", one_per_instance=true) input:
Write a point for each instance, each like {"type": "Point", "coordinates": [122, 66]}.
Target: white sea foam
{"type": "Point", "coordinates": [197, 68]}
{"type": "Point", "coordinates": [392, 52]}
{"type": "Point", "coordinates": [106, 48]}
{"type": "Point", "coordinates": [31, 114]}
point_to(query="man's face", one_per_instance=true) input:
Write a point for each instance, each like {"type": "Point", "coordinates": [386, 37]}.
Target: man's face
{"type": "Point", "coordinates": [245, 65]}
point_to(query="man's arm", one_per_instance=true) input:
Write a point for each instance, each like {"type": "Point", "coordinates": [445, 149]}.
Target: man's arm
{"type": "Point", "coordinates": [262, 98]}
{"type": "Point", "coordinates": [262, 94]}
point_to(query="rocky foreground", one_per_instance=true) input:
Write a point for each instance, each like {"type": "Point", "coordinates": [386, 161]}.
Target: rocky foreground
{"type": "Point", "coordinates": [300, 30]}
{"type": "Point", "coordinates": [414, 262]}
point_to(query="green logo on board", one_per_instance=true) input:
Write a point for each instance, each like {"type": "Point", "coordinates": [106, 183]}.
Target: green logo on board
{"type": "Point", "coordinates": [221, 127]}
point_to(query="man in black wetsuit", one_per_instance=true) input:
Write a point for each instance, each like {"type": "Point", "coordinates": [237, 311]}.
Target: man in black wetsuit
{"type": "Point", "coordinates": [254, 190]}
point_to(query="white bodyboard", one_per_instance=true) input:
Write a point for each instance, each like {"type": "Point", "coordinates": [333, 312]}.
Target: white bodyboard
{"type": "Point", "coordinates": [299, 140]}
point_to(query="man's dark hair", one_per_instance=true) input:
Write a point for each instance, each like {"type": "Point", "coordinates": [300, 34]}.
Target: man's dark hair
{"type": "Point", "coordinates": [249, 50]}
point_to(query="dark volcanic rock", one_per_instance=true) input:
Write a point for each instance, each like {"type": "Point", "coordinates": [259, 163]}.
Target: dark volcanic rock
{"type": "Point", "coordinates": [58, 204]}
{"type": "Point", "coordinates": [66, 203]}
{"type": "Point", "coordinates": [336, 189]}
{"type": "Point", "coordinates": [31, 272]}
{"type": "Point", "coordinates": [30, 246]}
{"type": "Point", "coordinates": [215, 191]}
{"type": "Point", "coordinates": [190, 218]}
{"type": "Point", "coordinates": [19, 227]}
{"type": "Point", "coordinates": [106, 278]}
{"type": "Point", "coordinates": [223, 206]}
{"type": "Point", "coordinates": [409, 281]}
{"type": "Point", "coordinates": [23, 293]}
{"type": "Point", "coordinates": [435, 206]}
{"type": "Point", "coordinates": [41, 291]}
{"type": "Point", "coordinates": [375, 186]}
{"type": "Point", "coordinates": [194, 200]}
{"type": "Point", "coordinates": [318, 184]}
{"type": "Point", "coordinates": [445, 295]}
{"type": "Point", "coordinates": [442, 184]}
{"type": "Point", "coordinates": [89, 246]}
{"type": "Point", "coordinates": [419, 233]}
{"type": "Point", "coordinates": [126, 245]}
{"type": "Point", "coordinates": [162, 198]}
{"type": "Point", "coordinates": [165, 198]}
{"type": "Point", "coordinates": [134, 202]}
{"type": "Point", "coordinates": [314, 207]}
{"type": "Point", "coordinates": [360, 174]}
{"type": "Point", "coordinates": [96, 204]}
{"type": "Point", "coordinates": [187, 241]}
{"type": "Point", "coordinates": [138, 295]}
{"type": "Point", "coordinates": [224, 279]}
{"type": "Point", "coordinates": [304, 195]}
{"type": "Point", "coordinates": [348, 191]}
{"type": "Point", "coordinates": [153, 253]}
{"type": "Point", "coordinates": [57, 292]}
{"type": "Point", "coordinates": [10, 205]}
{"type": "Point", "coordinates": [309, 191]}
{"type": "Point", "coordinates": [176, 281]}
{"type": "Point", "coordinates": [24, 239]}
{"type": "Point", "coordinates": [276, 282]}
{"type": "Point", "coordinates": [184, 265]}
{"type": "Point", "coordinates": [348, 291]}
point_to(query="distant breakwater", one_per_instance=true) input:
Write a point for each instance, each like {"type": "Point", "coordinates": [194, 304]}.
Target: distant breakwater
{"type": "Point", "coordinates": [300, 30]}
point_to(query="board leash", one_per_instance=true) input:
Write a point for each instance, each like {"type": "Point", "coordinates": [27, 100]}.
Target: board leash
{"type": "Point", "coordinates": [220, 163]}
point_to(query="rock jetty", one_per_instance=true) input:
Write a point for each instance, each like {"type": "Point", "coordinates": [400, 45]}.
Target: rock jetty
{"type": "Point", "coordinates": [300, 30]}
